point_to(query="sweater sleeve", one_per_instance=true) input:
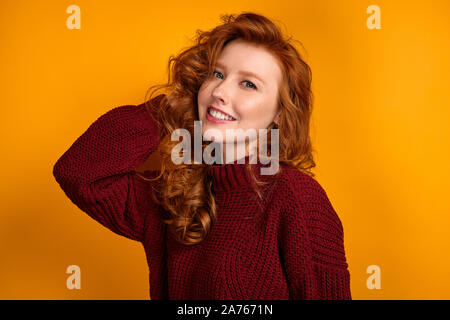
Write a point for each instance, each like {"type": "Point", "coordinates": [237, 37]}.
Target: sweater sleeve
{"type": "Point", "coordinates": [97, 171]}
{"type": "Point", "coordinates": [312, 244]}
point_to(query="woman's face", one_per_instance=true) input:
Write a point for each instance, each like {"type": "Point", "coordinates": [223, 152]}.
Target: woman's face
{"type": "Point", "coordinates": [250, 99]}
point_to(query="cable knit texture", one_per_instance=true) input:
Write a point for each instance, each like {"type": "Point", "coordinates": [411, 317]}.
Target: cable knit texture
{"type": "Point", "coordinates": [290, 246]}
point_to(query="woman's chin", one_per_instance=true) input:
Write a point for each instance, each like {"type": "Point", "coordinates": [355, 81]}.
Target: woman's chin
{"type": "Point", "coordinates": [212, 139]}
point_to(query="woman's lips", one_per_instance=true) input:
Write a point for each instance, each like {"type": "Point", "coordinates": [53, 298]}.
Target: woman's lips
{"type": "Point", "coordinates": [215, 120]}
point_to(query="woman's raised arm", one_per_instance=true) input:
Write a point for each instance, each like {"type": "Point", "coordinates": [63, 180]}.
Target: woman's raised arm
{"type": "Point", "coordinates": [97, 171]}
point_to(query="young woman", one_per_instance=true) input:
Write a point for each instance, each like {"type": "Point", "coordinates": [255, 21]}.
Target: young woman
{"type": "Point", "coordinates": [220, 230]}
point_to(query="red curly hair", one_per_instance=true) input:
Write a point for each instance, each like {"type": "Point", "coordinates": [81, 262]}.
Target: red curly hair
{"type": "Point", "coordinates": [193, 210]}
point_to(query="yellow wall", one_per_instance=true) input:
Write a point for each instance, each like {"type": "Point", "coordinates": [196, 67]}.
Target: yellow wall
{"type": "Point", "coordinates": [380, 126]}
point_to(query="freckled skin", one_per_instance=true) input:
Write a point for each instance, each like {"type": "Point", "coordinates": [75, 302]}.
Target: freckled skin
{"type": "Point", "coordinates": [254, 104]}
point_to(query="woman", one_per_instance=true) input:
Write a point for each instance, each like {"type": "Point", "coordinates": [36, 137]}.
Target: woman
{"type": "Point", "coordinates": [220, 230]}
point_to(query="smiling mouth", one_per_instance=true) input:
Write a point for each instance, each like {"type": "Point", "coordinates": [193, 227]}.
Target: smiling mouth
{"type": "Point", "coordinates": [219, 115]}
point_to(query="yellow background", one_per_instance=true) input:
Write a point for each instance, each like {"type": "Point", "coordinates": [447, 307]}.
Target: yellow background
{"type": "Point", "coordinates": [380, 125]}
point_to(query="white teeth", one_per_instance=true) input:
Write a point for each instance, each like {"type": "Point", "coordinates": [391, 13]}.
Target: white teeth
{"type": "Point", "coordinates": [219, 115]}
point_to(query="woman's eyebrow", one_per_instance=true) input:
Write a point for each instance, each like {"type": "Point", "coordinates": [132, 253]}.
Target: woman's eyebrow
{"type": "Point", "coordinates": [243, 72]}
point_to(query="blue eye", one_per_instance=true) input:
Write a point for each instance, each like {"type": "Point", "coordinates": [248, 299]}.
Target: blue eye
{"type": "Point", "coordinates": [215, 72]}
{"type": "Point", "coordinates": [252, 85]}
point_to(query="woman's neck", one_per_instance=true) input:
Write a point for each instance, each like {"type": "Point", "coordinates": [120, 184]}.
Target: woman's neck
{"type": "Point", "coordinates": [239, 151]}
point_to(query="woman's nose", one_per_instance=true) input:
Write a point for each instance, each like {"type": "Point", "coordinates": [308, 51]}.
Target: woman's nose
{"type": "Point", "coordinates": [221, 91]}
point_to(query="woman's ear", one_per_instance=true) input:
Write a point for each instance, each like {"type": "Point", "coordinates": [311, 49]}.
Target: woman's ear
{"type": "Point", "coordinates": [277, 117]}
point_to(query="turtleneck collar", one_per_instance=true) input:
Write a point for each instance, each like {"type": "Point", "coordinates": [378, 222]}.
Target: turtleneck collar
{"type": "Point", "coordinates": [234, 175]}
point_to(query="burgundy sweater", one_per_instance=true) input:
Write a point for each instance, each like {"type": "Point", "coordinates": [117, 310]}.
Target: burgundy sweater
{"type": "Point", "coordinates": [290, 247]}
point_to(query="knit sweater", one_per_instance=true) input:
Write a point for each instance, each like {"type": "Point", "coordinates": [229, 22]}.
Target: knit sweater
{"type": "Point", "coordinates": [290, 246]}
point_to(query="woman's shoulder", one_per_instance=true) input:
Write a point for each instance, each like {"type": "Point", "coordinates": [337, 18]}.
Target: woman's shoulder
{"type": "Point", "coordinates": [305, 196]}
{"type": "Point", "coordinates": [298, 180]}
